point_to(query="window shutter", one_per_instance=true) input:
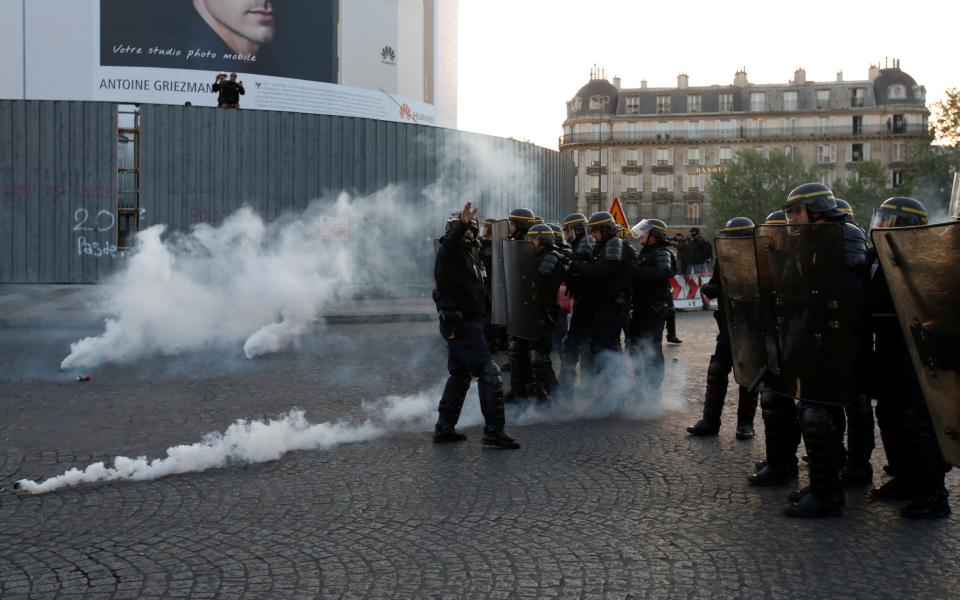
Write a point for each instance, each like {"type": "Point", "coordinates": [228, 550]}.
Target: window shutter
{"type": "Point", "coordinates": [640, 182]}
{"type": "Point", "coordinates": [603, 157]}
{"type": "Point", "coordinates": [576, 158]}
{"type": "Point", "coordinates": [669, 183]}
{"type": "Point", "coordinates": [849, 152]}
{"type": "Point", "coordinates": [686, 182]}
{"type": "Point", "coordinates": [866, 151]}
{"type": "Point", "coordinates": [603, 183]}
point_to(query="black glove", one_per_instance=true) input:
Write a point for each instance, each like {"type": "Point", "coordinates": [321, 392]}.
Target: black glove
{"type": "Point", "coordinates": [452, 324]}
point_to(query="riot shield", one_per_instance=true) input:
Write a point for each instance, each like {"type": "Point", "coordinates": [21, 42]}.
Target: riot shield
{"type": "Point", "coordinates": [918, 263]}
{"type": "Point", "coordinates": [500, 231]}
{"type": "Point", "coordinates": [737, 269]}
{"type": "Point", "coordinates": [807, 317]}
{"type": "Point", "coordinates": [523, 307]}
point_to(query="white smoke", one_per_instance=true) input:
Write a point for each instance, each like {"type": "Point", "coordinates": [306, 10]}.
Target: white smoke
{"type": "Point", "coordinates": [244, 281]}
{"type": "Point", "coordinates": [263, 441]}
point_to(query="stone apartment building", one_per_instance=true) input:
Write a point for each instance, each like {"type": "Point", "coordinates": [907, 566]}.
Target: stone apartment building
{"type": "Point", "coordinates": [655, 148]}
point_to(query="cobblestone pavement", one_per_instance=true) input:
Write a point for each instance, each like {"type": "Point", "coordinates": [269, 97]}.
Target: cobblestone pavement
{"type": "Point", "coordinates": [606, 508]}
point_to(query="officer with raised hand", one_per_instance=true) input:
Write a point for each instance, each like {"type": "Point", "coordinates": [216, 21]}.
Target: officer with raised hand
{"type": "Point", "coordinates": [550, 270]}
{"type": "Point", "coordinates": [906, 430]}
{"type": "Point", "coordinates": [651, 301]}
{"type": "Point", "coordinates": [721, 362]}
{"type": "Point", "coordinates": [815, 203]}
{"type": "Point", "coordinates": [461, 301]}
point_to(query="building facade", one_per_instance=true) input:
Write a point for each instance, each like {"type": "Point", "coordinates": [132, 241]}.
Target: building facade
{"type": "Point", "coordinates": [655, 148]}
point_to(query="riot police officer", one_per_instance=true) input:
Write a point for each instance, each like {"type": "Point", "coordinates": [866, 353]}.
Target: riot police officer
{"type": "Point", "coordinates": [815, 203]}
{"type": "Point", "coordinates": [607, 273]}
{"type": "Point", "coordinates": [915, 459]}
{"type": "Point", "coordinates": [550, 269]}
{"type": "Point", "coordinates": [652, 298]}
{"type": "Point", "coordinates": [559, 243]}
{"type": "Point", "coordinates": [518, 350]}
{"type": "Point", "coordinates": [573, 348]}
{"type": "Point", "coordinates": [781, 426]}
{"type": "Point", "coordinates": [721, 362]}
{"type": "Point", "coordinates": [460, 296]}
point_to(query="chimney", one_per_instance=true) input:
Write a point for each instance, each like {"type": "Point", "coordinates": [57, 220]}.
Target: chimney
{"type": "Point", "coordinates": [800, 76]}
{"type": "Point", "coordinates": [839, 75]}
{"type": "Point", "coordinates": [740, 79]}
{"type": "Point", "coordinates": [873, 73]}
{"type": "Point", "coordinates": [616, 82]}
{"type": "Point", "coordinates": [683, 81]}
{"type": "Point", "coordinates": [643, 84]}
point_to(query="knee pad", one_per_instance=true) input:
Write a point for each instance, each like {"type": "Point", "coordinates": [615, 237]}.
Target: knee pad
{"type": "Point", "coordinates": [715, 371]}
{"type": "Point", "coordinates": [815, 418]}
{"type": "Point", "coordinates": [490, 374]}
{"type": "Point", "coordinates": [773, 402]}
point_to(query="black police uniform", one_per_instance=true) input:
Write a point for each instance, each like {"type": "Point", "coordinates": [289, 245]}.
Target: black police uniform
{"type": "Point", "coordinates": [572, 351]}
{"type": "Point", "coordinates": [550, 269]}
{"type": "Point", "coordinates": [652, 299]}
{"type": "Point", "coordinates": [489, 330]}
{"type": "Point", "coordinates": [461, 301]}
{"type": "Point", "coordinates": [819, 423]}
{"type": "Point", "coordinates": [718, 373]}
{"type": "Point", "coordinates": [608, 275]}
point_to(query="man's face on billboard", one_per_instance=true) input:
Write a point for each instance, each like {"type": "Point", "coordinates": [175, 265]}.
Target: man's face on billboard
{"type": "Point", "coordinates": [252, 20]}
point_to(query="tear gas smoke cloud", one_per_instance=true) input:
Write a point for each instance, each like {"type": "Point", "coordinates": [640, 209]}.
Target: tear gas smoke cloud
{"type": "Point", "coordinates": [262, 441]}
{"type": "Point", "coordinates": [263, 284]}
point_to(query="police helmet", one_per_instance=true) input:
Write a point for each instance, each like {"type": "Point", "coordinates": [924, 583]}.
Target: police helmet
{"type": "Point", "coordinates": [603, 222]}
{"type": "Point", "coordinates": [656, 227]}
{"type": "Point", "coordinates": [623, 232]}
{"type": "Point", "coordinates": [738, 227]}
{"type": "Point", "coordinates": [899, 212]}
{"type": "Point", "coordinates": [538, 221]}
{"type": "Point", "coordinates": [578, 221]}
{"type": "Point", "coordinates": [542, 233]}
{"type": "Point", "coordinates": [777, 217]}
{"type": "Point", "coordinates": [523, 218]}
{"type": "Point", "coordinates": [816, 198]}
{"type": "Point", "coordinates": [844, 207]}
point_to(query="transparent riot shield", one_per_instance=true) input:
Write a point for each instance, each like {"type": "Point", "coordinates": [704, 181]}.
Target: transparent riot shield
{"type": "Point", "coordinates": [523, 308]}
{"type": "Point", "coordinates": [500, 232]}
{"type": "Point", "coordinates": [918, 263]}
{"type": "Point", "coordinates": [737, 269]}
{"type": "Point", "coordinates": [807, 317]}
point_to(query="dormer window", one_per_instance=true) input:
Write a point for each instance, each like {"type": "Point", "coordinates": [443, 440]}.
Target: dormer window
{"type": "Point", "coordinates": [596, 102]}
{"type": "Point", "coordinates": [577, 104]}
{"type": "Point", "coordinates": [896, 92]}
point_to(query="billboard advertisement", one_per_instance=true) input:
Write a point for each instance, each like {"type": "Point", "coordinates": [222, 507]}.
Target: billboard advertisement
{"type": "Point", "coordinates": [365, 58]}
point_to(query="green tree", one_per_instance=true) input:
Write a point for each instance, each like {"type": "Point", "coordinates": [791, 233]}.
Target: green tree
{"type": "Point", "coordinates": [928, 175]}
{"type": "Point", "coordinates": [865, 189]}
{"type": "Point", "coordinates": [945, 124]}
{"type": "Point", "coordinates": [754, 185]}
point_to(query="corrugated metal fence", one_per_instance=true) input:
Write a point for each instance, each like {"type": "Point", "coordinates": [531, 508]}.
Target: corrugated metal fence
{"type": "Point", "coordinates": [58, 173]}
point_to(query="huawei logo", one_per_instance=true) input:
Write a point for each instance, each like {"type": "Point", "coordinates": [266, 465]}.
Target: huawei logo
{"type": "Point", "coordinates": [389, 55]}
{"type": "Point", "coordinates": [406, 112]}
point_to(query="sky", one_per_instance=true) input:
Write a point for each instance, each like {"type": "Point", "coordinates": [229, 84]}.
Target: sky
{"type": "Point", "coordinates": [521, 60]}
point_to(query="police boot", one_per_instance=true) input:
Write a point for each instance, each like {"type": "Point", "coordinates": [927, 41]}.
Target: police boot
{"type": "Point", "coordinates": [713, 400]}
{"type": "Point", "coordinates": [782, 436]}
{"type": "Point", "coordinates": [819, 436]}
{"type": "Point", "coordinates": [490, 387]}
{"type": "Point", "coordinates": [858, 471]}
{"type": "Point", "coordinates": [746, 410]}
{"type": "Point", "coordinates": [928, 506]}
{"type": "Point", "coordinates": [451, 403]}
{"type": "Point", "coordinates": [898, 488]}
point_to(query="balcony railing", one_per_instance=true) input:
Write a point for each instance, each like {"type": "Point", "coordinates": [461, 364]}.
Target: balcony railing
{"type": "Point", "coordinates": [745, 133]}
